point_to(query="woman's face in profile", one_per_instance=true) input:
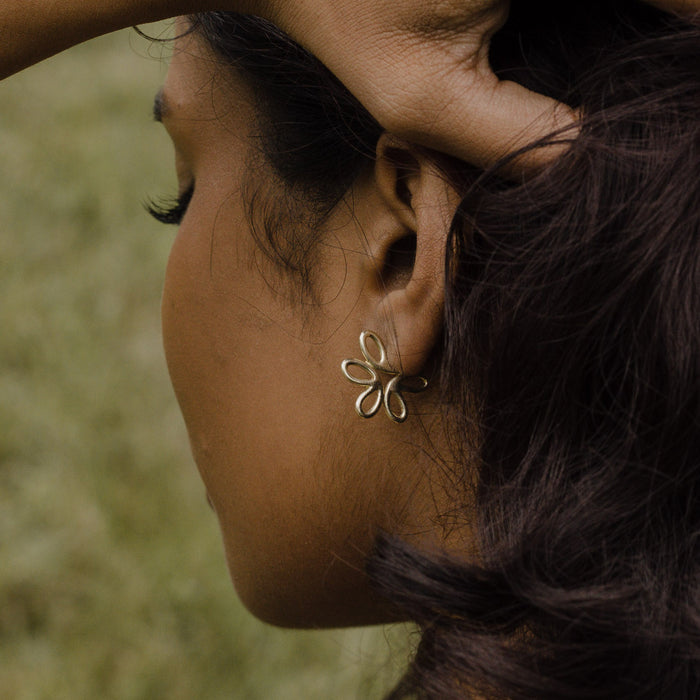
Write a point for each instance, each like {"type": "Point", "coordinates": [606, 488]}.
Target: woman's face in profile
{"type": "Point", "coordinates": [299, 483]}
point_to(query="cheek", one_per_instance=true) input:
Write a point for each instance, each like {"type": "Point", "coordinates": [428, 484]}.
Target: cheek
{"type": "Point", "coordinates": [199, 330]}
{"type": "Point", "coordinates": [184, 330]}
{"type": "Point", "coordinates": [244, 387]}
{"type": "Point", "coordinates": [270, 421]}
{"type": "Point", "coordinates": [205, 347]}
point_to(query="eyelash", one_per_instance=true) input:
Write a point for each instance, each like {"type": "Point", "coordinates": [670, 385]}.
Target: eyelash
{"type": "Point", "coordinates": [171, 211]}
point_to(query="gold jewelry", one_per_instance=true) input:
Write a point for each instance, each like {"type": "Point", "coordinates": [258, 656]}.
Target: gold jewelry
{"type": "Point", "coordinates": [394, 386]}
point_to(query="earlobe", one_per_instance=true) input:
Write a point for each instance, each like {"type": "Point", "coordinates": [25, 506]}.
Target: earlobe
{"type": "Point", "coordinates": [410, 310]}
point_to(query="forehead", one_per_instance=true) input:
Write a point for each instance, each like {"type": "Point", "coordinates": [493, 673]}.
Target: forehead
{"type": "Point", "coordinates": [199, 86]}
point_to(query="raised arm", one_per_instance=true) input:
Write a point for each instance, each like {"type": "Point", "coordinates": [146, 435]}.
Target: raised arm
{"type": "Point", "coordinates": [418, 67]}
{"type": "Point", "coordinates": [31, 30]}
{"type": "Point", "coordinates": [421, 68]}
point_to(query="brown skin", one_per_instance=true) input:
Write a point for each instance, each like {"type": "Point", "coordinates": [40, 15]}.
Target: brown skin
{"type": "Point", "coordinates": [301, 485]}
{"type": "Point", "coordinates": [420, 68]}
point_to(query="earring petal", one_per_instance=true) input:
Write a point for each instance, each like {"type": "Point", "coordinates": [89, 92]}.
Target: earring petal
{"type": "Point", "coordinates": [393, 392]}
{"type": "Point", "coordinates": [345, 366]}
{"type": "Point", "coordinates": [362, 412]}
{"type": "Point", "coordinates": [414, 385]}
{"type": "Point", "coordinates": [382, 362]}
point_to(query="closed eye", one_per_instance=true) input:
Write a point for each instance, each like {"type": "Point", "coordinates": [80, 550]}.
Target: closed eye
{"type": "Point", "coordinates": [171, 211]}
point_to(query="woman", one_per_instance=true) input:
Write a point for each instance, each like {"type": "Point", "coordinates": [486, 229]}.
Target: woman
{"type": "Point", "coordinates": [539, 519]}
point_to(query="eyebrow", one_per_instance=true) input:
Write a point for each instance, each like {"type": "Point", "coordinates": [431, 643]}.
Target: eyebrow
{"type": "Point", "coordinates": [160, 106]}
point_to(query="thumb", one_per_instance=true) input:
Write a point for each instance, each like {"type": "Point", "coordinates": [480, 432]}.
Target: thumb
{"type": "Point", "coordinates": [482, 120]}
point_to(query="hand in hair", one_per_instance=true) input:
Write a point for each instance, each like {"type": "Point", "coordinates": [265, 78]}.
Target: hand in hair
{"type": "Point", "coordinates": [421, 68]}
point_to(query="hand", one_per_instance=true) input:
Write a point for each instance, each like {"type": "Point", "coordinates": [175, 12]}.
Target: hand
{"type": "Point", "coordinates": [421, 68]}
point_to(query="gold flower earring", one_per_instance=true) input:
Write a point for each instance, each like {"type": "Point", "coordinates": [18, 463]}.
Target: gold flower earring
{"type": "Point", "coordinates": [385, 394]}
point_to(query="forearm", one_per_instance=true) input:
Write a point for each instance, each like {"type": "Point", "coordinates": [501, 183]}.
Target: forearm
{"type": "Point", "coordinates": [418, 67]}
{"type": "Point", "coordinates": [31, 30]}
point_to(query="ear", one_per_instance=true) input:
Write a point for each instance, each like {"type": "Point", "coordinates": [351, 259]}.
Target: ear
{"type": "Point", "coordinates": [410, 252]}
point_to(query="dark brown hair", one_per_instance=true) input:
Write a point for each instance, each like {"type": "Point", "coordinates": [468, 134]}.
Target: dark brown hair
{"type": "Point", "coordinates": [571, 360]}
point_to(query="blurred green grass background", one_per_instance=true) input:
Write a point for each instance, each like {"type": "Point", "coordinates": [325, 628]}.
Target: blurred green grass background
{"type": "Point", "coordinates": [112, 578]}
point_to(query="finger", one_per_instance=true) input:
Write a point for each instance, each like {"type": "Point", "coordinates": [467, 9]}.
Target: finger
{"type": "Point", "coordinates": [496, 121]}
{"type": "Point", "coordinates": [481, 120]}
